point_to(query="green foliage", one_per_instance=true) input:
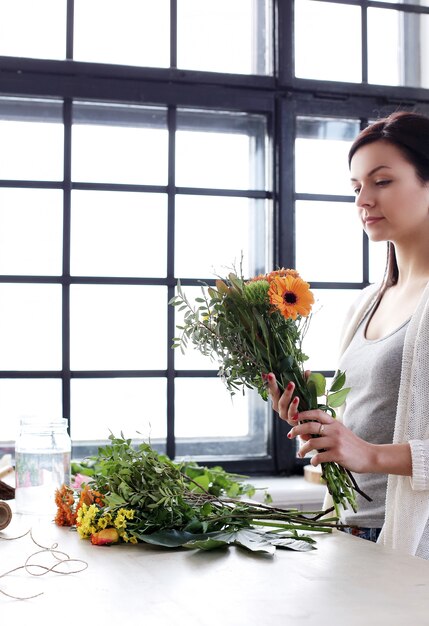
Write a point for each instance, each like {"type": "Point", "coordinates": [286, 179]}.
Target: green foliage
{"type": "Point", "coordinates": [184, 504]}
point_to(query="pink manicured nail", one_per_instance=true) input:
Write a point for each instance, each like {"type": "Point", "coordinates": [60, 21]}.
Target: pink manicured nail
{"type": "Point", "coordinates": [289, 436]}
{"type": "Point", "coordinates": [295, 417]}
{"type": "Point", "coordinates": [270, 377]}
{"type": "Point", "coordinates": [295, 400]}
{"type": "Point", "coordinates": [289, 387]}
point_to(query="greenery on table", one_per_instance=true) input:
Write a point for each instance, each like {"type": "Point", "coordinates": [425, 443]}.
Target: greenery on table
{"type": "Point", "coordinates": [184, 504]}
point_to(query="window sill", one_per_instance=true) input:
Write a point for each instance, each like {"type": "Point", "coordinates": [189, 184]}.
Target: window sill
{"type": "Point", "coordinates": [290, 492]}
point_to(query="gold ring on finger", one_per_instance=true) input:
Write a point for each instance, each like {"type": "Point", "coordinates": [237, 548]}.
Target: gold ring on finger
{"type": "Point", "coordinates": [321, 429]}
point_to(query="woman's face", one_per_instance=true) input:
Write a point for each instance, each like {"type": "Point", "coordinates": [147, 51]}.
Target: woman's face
{"type": "Point", "coordinates": [392, 201]}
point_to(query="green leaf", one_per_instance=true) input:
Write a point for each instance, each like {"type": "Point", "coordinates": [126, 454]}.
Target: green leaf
{"type": "Point", "coordinates": [337, 399]}
{"type": "Point", "coordinates": [249, 539]}
{"type": "Point", "coordinates": [338, 381]}
{"type": "Point", "coordinates": [205, 544]}
{"type": "Point", "coordinates": [167, 538]}
{"type": "Point", "coordinates": [311, 385]}
{"type": "Point", "coordinates": [320, 382]}
{"type": "Point", "coordinates": [290, 543]}
{"type": "Point", "coordinates": [238, 284]}
{"type": "Point", "coordinates": [115, 500]}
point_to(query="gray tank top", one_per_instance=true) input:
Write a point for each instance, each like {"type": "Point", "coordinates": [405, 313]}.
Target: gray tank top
{"type": "Point", "coordinates": [373, 371]}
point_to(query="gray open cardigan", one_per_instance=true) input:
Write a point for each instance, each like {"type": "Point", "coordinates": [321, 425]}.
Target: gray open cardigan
{"type": "Point", "coordinates": [406, 526]}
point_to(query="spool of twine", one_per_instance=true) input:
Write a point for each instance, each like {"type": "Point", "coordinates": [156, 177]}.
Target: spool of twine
{"type": "Point", "coordinates": [5, 515]}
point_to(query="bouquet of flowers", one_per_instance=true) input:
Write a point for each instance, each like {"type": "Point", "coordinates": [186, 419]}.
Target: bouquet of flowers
{"type": "Point", "coordinates": [256, 326]}
{"type": "Point", "coordinates": [133, 494]}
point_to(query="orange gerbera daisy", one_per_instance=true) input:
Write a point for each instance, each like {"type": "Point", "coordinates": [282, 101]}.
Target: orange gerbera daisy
{"type": "Point", "coordinates": [282, 272]}
{"type": "Point", "coordinates": [291, 296]}
{"type": "Point", "coordinates": [255, 279]}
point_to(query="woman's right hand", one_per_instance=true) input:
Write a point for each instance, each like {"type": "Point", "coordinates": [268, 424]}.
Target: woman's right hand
{"type": "Point", "coordinates": [283, 403]}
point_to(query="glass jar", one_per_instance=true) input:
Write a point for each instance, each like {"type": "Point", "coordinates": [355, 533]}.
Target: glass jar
{"type": "Point", "coordinates": [42, 464]}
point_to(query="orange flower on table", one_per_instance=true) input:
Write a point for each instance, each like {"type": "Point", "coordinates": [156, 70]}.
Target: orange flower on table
{"type": "Point", "coordinates": [291, 296]}
{"type": "Point", "coordinates": [105, 537]}
{"type": "Point", "coordinates": [64, 500]}
{"type": "Point", "coordinates": [88, 496]}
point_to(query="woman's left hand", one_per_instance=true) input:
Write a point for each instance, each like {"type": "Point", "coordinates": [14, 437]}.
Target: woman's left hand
{"type": "Point", "coordinates": [335, 442]}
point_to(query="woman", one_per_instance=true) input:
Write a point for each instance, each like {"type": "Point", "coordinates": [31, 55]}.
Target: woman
{"type": "Point", "coordinates": [384, 432]}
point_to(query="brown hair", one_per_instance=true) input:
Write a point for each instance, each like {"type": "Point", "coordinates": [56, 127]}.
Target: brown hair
{"type": "Point", "coordinates": [409, 132]}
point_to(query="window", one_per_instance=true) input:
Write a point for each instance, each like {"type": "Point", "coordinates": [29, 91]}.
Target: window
{"type": "Point", "coordinates": [133, 154]}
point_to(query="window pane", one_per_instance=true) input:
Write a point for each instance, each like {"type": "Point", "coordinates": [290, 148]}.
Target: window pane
{"type": "Point", "coordinates": [27, 398]}
{"type": "Point", "coordinates": [238, 226]}
{"type": "Point", "coordinates": [328, 41]}
{"type": "Point", "coordinates": [33, 29]}
{"type": "Point", "coordinates": [118, 234]}
{"type": "Point", "coordinates": [192, 359]}
{"type": "Point", "coordinates": [31, 222]}
{"type": "Point", "coordinates": [137, 407]}
{"type": "Point", "coordinates": [118, 327]}
{"type": "Point", "coordinates": [119, 144]}
{"type": "Point", "coordinates": [402, 59]}
{"type": "Point", "coordinates": [220, 150]}
{"type": "Point", "coordinates": [219, 417]}
{"type": "Point", "coordinates": [31, 149]}
{"type": "Point", "coordinates": [30, 327]}
{"type": "Point", "coordinates": [423, 3]}
{"type": "Point", "coordinates": [223, 36]}
{"type": "Point", "coordinates": [131, 32]}
{"type": "Point", "coordinates": [322, 340]}
{"type": "Point", "coordinates": [321, 150]}
{"type": "Point", "coordinates": [328, 242]}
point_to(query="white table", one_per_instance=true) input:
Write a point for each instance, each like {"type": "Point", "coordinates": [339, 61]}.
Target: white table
{"type": "Point", "coordinates": [346, 581]}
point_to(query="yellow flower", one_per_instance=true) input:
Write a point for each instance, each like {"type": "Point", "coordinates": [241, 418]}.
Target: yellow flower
{"type": "Point", "coordinates": [86, 522]}
{"type": "Point", "coordinates": [291, 296]}
{"type": "Point", "coordinates": [121, 518]}
{"type": "Point", "coordinates": [103, 523]}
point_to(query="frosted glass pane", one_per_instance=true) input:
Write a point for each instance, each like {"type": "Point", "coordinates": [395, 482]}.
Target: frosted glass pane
{"type": "Point", "coordinates": [423, 3]}
{"type": "Point", "coordinates": [322, 340]}
{"type": "Point", "coordinates": [384, 58]}
{"type": "Point", "coordinates": [119, 154]}
{"type": "Point", "coordinates": [118, 234]}
{"type": "Point", "coordinates": [237, 225]}
{"type": "Point", "coordinates": [33, 29]}
{"type": "Point", "coordinates": [132, 32]}
{"type": "Point", "coordinates": [328, 41]}
{"type": "Point", "coordinates": [31, 222]}
{"type": "Point", "coordinates": [213, 160]}
{"type": "Point", "coordinates": [135, 406]}
{"type": "Point", "coordinates": [401, 58]}
{"type": "Point", "coordinates": [27, 398]}
{"type": "Point", "coordinates": [30, 327]}
{"type": "Point", "coordinates": [31, 150]}
{"type": "Point", "coordinates": [220, 36]}
{"type": "Point", "coordinates": [118, 327]}
{"type": "Point", "coordinates": [328, 242]}
{"type": "Point", "coordinates": [321, 149]}
{"type": "Point", "coordinates": [204, 408]}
